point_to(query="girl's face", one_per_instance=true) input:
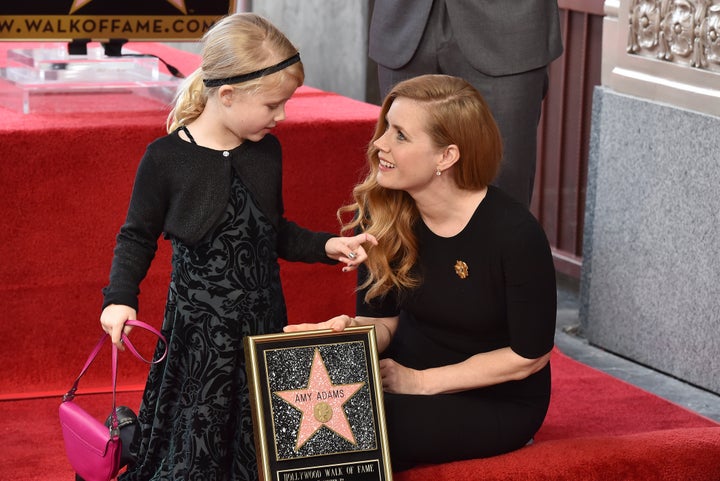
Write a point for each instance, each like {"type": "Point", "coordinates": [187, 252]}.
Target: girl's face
{"type": "Point", "coordinates": [254, 114]}
{"type": "Point", "coordinates": [408, 157]}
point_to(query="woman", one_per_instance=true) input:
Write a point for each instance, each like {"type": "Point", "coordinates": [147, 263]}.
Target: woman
{"type": "Point", "coordinates": [461, 286]}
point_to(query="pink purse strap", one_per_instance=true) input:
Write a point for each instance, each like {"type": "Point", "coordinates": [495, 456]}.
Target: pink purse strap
{"type": "Point", "coordinates": [127, 343]}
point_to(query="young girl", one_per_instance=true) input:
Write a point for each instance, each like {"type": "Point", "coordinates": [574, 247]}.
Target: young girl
{"type": "Point", "coordinates": [213, 188]}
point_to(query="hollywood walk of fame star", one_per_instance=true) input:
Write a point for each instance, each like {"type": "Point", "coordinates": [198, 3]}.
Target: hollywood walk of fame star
{"type": "Point", "coordinates": [78, 4]}
{"type": "Point", "coordinates": [321, 403]}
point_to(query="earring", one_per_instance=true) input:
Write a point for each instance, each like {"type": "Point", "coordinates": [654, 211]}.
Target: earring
{"type": "Point", "coordinates": [438, 172]}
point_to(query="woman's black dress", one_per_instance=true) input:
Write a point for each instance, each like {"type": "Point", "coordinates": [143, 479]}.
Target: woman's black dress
{"type": "Point", "coordinates": [508, 299]}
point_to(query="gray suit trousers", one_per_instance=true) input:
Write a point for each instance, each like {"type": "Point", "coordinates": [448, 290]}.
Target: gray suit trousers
{"type": "Point", "coordinates": [515, 100]}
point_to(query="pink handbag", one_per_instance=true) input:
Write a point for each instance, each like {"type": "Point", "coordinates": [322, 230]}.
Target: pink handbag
{"type": "Point", "coordinates": [92, 448]}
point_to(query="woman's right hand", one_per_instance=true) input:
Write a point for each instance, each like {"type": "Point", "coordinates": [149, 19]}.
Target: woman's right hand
{"type": "Point", "coordinates": [337, 324]}
{"type": "Point", "coordinates": [113, 320]}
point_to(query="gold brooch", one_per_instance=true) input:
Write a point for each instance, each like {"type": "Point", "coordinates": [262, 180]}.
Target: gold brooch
{"type": "Point", "coordinates": [461, 269]}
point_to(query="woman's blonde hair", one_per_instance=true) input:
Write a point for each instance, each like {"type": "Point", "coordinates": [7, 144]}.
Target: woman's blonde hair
{"type": "Point", "coordinates": [237, 44]}
{"type": "Point", "coordinates": [456, 114]}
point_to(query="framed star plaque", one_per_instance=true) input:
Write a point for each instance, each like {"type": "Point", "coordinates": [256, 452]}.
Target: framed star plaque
{"type": "Point", "coordinates": [317, 406]}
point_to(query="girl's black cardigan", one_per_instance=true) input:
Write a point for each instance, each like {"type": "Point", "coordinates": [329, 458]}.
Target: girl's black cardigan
{"type": "Point", "coordinates": [181, 190]}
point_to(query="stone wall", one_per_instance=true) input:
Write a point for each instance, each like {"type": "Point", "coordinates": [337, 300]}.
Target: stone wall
{"type": "Point", "coordinates": [651, 255]}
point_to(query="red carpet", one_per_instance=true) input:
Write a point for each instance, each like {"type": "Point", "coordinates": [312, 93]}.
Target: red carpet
{"type": "Point", "coordinates": [66, 180]}
{"type": "Point", "coordinates": [598, 428]}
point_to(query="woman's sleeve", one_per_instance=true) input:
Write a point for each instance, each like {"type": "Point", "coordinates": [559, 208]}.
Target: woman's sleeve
{"type": "Point", "coordinates": [531, 291]}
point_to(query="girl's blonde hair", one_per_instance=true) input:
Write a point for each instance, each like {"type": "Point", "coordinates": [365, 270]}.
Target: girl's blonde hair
{"type": "Point", "coordinates": [236, 44]}
{"type": "Point", "coordinates": [456, 114]}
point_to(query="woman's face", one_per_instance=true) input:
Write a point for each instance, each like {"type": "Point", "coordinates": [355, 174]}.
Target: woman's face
{"type": "Point", "coordinates": [408, 158]}
{"type": "Point", "coordinates": [252, 115]}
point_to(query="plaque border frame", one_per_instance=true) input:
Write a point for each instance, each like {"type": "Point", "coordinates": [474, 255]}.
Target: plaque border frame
{"type": "Point", "coordinates": [256, 345]}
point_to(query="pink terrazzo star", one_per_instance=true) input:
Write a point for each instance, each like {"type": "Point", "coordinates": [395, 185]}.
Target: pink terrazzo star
{"type": "Point", "coordinates": [321, 403]}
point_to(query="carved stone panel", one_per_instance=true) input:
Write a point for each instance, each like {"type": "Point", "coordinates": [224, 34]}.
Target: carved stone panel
{"type": "Point", "coordinates": [665, 50]}
{"type": "Point", "coordinates": [680, 31]}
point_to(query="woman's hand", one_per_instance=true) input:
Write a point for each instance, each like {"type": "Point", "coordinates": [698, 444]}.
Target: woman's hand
{"type": "Point", "coordinates": [349, 250]}
{"type": "Point", "coordinates": [398, 379]}
{"type": "Point", "coordinates": [337, 324]}
{"type": "Point", "coordinates": [113, 319]}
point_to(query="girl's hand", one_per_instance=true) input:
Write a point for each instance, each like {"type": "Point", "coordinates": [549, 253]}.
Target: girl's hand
{"type": "Point", "coordinates": [113, 319]}
{"type": "Point", "coordinates": [399, 379]}
{"type": "Point", "coordinates": [337, 324]}
{"type": "Point", "coordinates": [349, 250]}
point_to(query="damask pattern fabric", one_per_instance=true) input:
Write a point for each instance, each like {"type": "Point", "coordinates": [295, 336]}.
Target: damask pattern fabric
{"type": "Point", "coordinates": [195, 416]}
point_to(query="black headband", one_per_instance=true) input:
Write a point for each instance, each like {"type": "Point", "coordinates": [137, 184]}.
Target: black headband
{"type": "Point", "coordinates": [253, 75]}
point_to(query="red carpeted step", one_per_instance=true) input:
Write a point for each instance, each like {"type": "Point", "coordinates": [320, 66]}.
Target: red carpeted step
{"type": "Point", "coordinates": [673, 455]}
{"type": "Point", "coordinates": [598, 428]}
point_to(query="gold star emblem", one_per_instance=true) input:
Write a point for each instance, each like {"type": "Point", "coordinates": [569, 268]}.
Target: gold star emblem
{"type": "Point", "coordinates": [78, 4]}
{"type": "Point", "coordinates": [321, 403]}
